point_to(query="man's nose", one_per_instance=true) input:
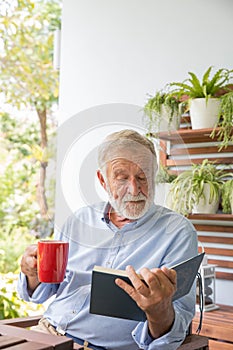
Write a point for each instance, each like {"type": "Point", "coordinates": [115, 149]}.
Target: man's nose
{"type": "Point", "coordinates": [134, 186]}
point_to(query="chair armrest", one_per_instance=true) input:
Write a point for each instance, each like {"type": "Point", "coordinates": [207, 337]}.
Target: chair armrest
{"type": "Point", "coordinates": [195, 342]}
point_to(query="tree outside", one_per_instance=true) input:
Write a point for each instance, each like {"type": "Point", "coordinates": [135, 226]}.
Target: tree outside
{"type": "Point", "coordinates": [29, 84]}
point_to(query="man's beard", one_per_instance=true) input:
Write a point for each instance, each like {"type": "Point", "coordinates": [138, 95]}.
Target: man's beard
{"type": "Point", "coordinates": [131, 207]}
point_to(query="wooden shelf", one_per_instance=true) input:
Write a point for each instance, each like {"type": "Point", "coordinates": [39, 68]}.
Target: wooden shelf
{"type": "Point", "coordinates": [178, 151]}
{"type": "Point", "coordinates": [217, 217]}
{"type": "Point", "coordinates": [221, 223]}
{"type": "Point", "coordinates": [189, 135]}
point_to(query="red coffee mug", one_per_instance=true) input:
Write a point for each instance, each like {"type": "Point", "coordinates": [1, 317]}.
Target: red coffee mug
{"type": "Point", "coordinates": [52, 257]}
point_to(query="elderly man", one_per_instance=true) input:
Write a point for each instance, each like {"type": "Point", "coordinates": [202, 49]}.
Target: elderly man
{"type": "Point", "coordinates": [129, 232]}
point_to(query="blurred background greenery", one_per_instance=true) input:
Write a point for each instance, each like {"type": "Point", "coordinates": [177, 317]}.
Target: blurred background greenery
{"type": "Point", "coordinates": [29, 87]}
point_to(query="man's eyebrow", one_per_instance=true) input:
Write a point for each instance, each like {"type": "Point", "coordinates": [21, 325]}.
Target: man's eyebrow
{"type": "Point", "coordinates": [143, 171]}
{"type": "Point", "coordinates": [119, 171]}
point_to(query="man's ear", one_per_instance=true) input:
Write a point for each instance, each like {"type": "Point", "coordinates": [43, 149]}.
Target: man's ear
{"type": "Point", "coordinates": [101, 179]}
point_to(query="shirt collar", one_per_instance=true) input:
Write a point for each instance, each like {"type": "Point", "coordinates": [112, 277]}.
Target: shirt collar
{"type": "Point", "coordinates": [105, 216]}
{"type": "Point", "coordinates": [137, 222]}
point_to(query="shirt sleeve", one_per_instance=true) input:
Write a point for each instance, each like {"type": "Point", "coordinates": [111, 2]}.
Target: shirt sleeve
{"type": "Point", "coordinates": [184, 307]}
{"type": "Point", "coordinates": [171, 340]}
{"type": "Point", "coordinates": [42, 293]}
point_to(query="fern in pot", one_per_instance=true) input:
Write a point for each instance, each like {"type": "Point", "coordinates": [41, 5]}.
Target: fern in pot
{"type": "Point", "coordinates": [204, 95]}
{"type": "Point", "coordinates": [162, 112]}
{"type": "Point", "coordinates": [227, 197]}
{"type": "Point", "coordinates": [197, 190]}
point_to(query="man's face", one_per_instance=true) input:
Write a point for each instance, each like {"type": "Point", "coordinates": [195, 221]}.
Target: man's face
{"type": "Point", "coordinates": [130, 188]}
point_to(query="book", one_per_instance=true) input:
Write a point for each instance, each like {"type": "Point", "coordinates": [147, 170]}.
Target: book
{"type": "Point", "coordinates": [108, 299]}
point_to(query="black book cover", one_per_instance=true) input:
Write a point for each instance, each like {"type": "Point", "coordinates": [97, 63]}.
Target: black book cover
{"type": "Point", "coordinates": [108, 299]}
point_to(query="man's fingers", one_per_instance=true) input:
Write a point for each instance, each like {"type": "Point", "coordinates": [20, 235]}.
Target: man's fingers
{"type": "Point", "coordinates": [170, 273]}
{"type": "Point", "coordinates": [156, 282]}
{"type": "Point", "coordinates": [167, 280]}
{"type": "Point", "coordinates": [137, 281]}
{"type": "Point", "coordinates": [29, 261]}
{"type": "Point", "coordinates": [165, 272]}
{"type": "Point", "coordinates": [31, 250]}
{"type": "Point", "coordinates": [138, 285]}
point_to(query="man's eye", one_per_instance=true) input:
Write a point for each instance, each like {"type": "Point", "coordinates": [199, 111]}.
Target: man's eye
{"type": "Point", "coordinates": [121, 178]}
{"type": "Point", "coordinates": [141, 178]}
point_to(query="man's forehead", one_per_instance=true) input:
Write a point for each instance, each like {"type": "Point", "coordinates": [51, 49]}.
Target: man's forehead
{"type": "Point", "coordinates": [134, 154]}
{"type": "Point", "coordinates": [142, 163]}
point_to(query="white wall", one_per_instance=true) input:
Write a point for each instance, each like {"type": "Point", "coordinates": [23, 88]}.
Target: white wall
{"type": "Point", "coordinates": [120, 50]}
{"type": "Point", "coordinates": [115, 52]}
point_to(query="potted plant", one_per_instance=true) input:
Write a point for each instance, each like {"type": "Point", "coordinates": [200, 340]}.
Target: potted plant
{"type": "Point", "coordinates": [197, 189]}
{"type": "Point", "coordinates": [227, 197]}
{"type": "Point", "coordinates": [204, 95]}
{"type": "Point", "coordinates": [224, 124]}
{"type": "Point", "coordinates": [162, 112]}
{"type": "Point", "coordinates": [163, 181]}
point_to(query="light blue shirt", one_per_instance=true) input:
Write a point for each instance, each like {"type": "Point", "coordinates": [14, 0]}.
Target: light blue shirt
{"type": "Point", "coordinates": [161, 237]}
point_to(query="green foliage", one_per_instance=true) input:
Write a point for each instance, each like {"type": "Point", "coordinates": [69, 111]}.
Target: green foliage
{"type": "Point", "coordinates": [164, 176]}
{"type": "Point", "coordinates": [27, 79]}
{"type": "Point", "coordinates": [19, 211]}
{"type": "Point", "coordinates": [17, 195]}
{"type": "Point", "coordinates": [27, 76]}
{"type": "Point", "coordinates": [17, 180]}
{"type": "Point", "coordinates": [219, 86]}
{"type": "Point", "coordinates": [24, 139]}
{"type": "Point", "coordinates": [10, 304]}
{"type": "Point", "coordinates": [12, 248]}
{"type": "Point", "coordinates": [154, 110]}
{"type": "Point", "coordinates": [26, 70]}
{"type": "Point", "coordinates": [205, 87]}
{"type": "Point", "coordinates": [225, 121]}
{"type": "Point", "coordinates": [227, 196]}
{"type": "Point", "coordinates": [188, 188]}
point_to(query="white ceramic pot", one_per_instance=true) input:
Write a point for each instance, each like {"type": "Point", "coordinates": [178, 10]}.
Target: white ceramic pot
{"type": "Point", "coordinates": [162, 197]}
{"type": "Point", "coordinates": [162, 124]}
{"type": "Point", "coordinates": [204, 114]}
{"type": "Point", "coordinates": [203, 206]}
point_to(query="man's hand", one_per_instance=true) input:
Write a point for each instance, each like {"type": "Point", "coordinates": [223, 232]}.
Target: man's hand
{"type": "Point", "coordinates": [29, 267]}
{"type": "Point", "coordinates": [154, 296]}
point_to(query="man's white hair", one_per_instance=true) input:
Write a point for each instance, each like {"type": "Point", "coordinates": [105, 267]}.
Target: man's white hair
{"type": "Point", "coordinates": [128, 144]}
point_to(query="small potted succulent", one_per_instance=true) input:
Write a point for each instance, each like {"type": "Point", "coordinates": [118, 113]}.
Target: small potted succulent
{"type": "Point", "coordinates": [227, 197]}
{"type": "Point", "coordinates": [197, 190]}
{"type": "Point", "coordinates": [204, 97]}
{"type": "Point", "coordinates": [162, 112]}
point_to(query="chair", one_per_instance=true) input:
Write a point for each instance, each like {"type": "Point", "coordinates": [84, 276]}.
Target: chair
{"type": "Point", "coordinates": [195, 342]}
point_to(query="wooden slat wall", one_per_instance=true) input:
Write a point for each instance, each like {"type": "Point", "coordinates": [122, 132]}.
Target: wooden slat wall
{"type": "Point", "coordinates": [178, 150]}
{"type": "Point", "coordinates": [189, 161]}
